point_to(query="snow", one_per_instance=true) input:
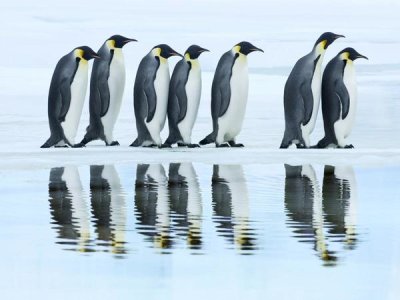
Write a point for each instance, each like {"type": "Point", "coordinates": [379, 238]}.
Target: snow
{"type": "Point", "coordinates": [35, 35]}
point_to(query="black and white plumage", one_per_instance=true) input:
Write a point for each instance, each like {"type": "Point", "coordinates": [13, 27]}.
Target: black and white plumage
{"type": "Point", "coordinates": [150, 95]}
{"type": "Point", "coordinates": [184, 98]}
{"type": "Point", "coordinates": [229, 96]}
{"type": "Point", "coordinates": [339, 99]}
{"type": "Point", "coordinates": [66, 96]}
{"type": "Point", "coordinates": [106, 90]}
{"type": "Point", "coordinates": [302, 94]}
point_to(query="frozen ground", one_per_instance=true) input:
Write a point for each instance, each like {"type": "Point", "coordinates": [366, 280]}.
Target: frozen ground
{"type": "Point", "coordinates": [36, 34]}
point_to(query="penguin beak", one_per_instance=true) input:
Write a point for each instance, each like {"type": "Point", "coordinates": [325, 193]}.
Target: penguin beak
{"type": "Point", "coordinates": [256, 49]}
{"type": "Point", "coordinates": [204, 50]}
{"type": "Point", "coordinates": [95, 55]}
{"type": "Point", "coordinates": [129, 40]}
{"type": "Point", "coordinates": [339, 36]}
{"type": "Point", "coordinates": [175, 54]}
{"type": "Point", "coordinates": [362, 56]}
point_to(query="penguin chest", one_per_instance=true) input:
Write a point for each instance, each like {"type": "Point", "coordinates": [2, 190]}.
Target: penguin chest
{"type": "Point", "coordinates": [161, 87]}
{"type": "Point", "coordinates": [116, 85]}
{"type": "Point", "coordinates": [231, 122]}
{"type": "Point", "coordinates": [193, 93]}
{"type": "Point", "coordinates": [78, 93]}
{"type": "Point", "coordinates": [349, 79]}
{"type": "Point", "coordinates": [316, 92]}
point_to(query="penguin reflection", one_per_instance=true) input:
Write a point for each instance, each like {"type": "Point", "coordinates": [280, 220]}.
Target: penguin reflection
{"type": "Point", "coordinates": [340, 203]}
{"type": "Point", "coordinates": [231, 205]}
{"type": "Point", "coordinates": [185, 200]}
{"type": "Point", "coordinates": [152, 205]}
{"type": "Point", "coordinates": [108, 207]}
{"type": "Point", "coordinates": [68, 207]}
{"type": "Point", "coordinates": [306, 208]}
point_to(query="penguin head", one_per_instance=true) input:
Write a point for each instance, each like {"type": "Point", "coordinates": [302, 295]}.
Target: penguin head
{"type": "Point", "coordinates": [194, 51]}
{"type": "Point", "coordinates": [326, 39]}
{"type": "Point", "coordinates": [165, 51]}
{"type": "Point", "coordinates": [245, 48]}
{"type": "Point", "coordinates": [350, 54]}
{"type": "Point", "coordinates": [85, 52]}
{"type": "Point", "coordinates": [118, 41]}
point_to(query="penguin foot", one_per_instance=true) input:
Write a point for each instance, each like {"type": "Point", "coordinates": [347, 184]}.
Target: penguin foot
{"type": "Point", "coordinates": [224, 145]}
{"type": "Point", "coordinates": [151, 146]}
{"type": "Point", "coordinates": [234, 144]}
{"type": "Point", "coordinates": [63, 146]}
{"type": "Point", "coordinates": [189, 145]}
{"type": "Point", "coordinates": [301, 146]}
{"type": "Point", "coordinates": [79, 145]}
{"type": "Point", "coordinates": [239, 145]}
{"type": "Point", "coordinates": [165, 146]}
{"type": "Point", "coordinates": [349, 146]}
{"type": "Point", "coordinates": [113, 143]}
{"type": "Point", "coordinates": [193, 145]}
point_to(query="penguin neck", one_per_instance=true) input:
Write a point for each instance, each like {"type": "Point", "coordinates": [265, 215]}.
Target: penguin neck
{"type": "Point", "coordinates": [240, 56]}
{"type": "Point", "coordinates": [78, 54]}
{"type": "Point", "coordinates": [319, 51]}
{"type": "Point", "coordinates": [156, 53]}
{"type": "Point", "coordinates": [193, 62]}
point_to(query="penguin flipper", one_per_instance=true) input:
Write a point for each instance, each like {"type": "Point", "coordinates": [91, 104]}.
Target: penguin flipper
{"type": "Point", "coordinates": [308, 101]}
{"type": "Point", "coordinates": [104, 92]}
{"type": "Point", "coordinates": [65, 91]}
{"type": "Point", "coordinates": [182, 100]}
{"type": "Point", "coordinates": [344, 98]}
{"type": "Point", "coordinates": [224, 98]}
{"type": "Point", "coordinates": [151, 98]}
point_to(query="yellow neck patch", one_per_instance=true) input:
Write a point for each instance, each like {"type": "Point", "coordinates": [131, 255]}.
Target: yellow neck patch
{"type": "Point", "coordinates": [157, 52]}
{"type": "Point", "coordinates": [236, 49]}
{"type": "Point", "coordinates": [321, 47]}
{"type": "Point", "coordinates": [111, 44]}
{"type": "Point", "coordinates": [79, 53]}
{"type": "Point", "coordinates": [344, 56]}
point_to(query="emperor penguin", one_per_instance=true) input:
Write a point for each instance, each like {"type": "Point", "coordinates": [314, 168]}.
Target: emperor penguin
{"type": "Point", "coordinates": [184, 98]}
{"type": "Point", "coordinates": [106, 89]}
{"type": "Point", "coordinates": [302, 94]}
{"type": "Point", "coordinates": [229, 93]}
{"type": "Point", "coordinates": [339, 99]}
{"type": "Point", "coordinates": [67, 95]}
{"type": "Point", "coordinates": [150, 95]}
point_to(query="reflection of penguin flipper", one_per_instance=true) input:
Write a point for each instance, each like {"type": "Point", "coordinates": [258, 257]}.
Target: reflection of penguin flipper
{"type": "Point", "coordinates": [56, 182]}
{"type": "Point", "coordinates": [61, 209]}
{"type": "Point", "coordinates": [141, 171]}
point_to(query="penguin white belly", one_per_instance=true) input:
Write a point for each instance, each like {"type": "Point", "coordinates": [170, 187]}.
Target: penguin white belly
{"type": "Point", "coordinates": [316, 91]}
{"type": "Point", "coordinates": [80, 212]}
{"type": "Point", "coordinates": [230, 124]}
{"type": "Point", "coordinates": [116, 85]}
{"type": "Point", "coordinates": [161, 86]}
{"type": "Point", "coordinates": [193, 92]}
{"type": "Point", "coordinates": [78, 93]}
{"type": "Point", "coordinates": [344, 126]}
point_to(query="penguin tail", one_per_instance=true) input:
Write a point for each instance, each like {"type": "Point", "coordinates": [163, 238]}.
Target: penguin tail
{"type": "Point", "coordinates": [322, 143]}
{"type": "Point", "coordinates": [136, 143]}
{"type": "Point", "coordinates": [208, 139]}
{"type": "Point", "coordinates": [53, 140]}
{"type": "Point", "coordinates": [171, 140]}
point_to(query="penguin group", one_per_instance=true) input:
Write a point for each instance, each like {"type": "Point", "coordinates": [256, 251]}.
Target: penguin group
{"type": "Point", "coordinates": [157, 96]}
{"type": "Point", "coordinates": [303, 90]}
